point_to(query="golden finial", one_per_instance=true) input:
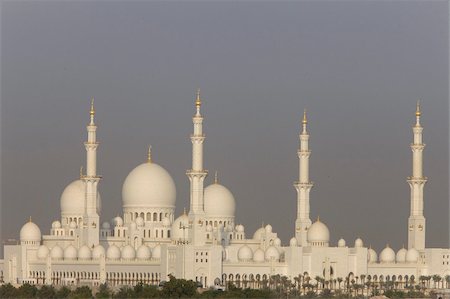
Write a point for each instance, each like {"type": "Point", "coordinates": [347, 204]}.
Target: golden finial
{"type": "Point", "coordinates": [387, 244]}
{"type": "Point", "coordinates": [198, 101]}
{"type": "Point", "coordinates": [149, 154]}
{"type": "Point", "coordinates": [305, 120]}
{"type": "Point", "coordinates": [29, 220]}
{"type": "Point", "coordinates": [215, 178]}
{"type": "Point", "coordinates": [92, 112]}
{"type": "Point", "coordinates": [81, 172]}
{"type": "Point", "coordinates": [418, 113]}
{"type": "Point", "coordinates": [318, 218]}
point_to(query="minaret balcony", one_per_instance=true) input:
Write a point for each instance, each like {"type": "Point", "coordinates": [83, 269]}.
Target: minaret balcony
{"type": "Point", "coordinates": [303, 185]}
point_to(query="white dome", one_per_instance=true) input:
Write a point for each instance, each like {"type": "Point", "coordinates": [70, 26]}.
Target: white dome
{"type": "Point", "coordinates": [372, 256]}
{"type": "Point", "coordinates": [318, 232]}
{"type": "Point", "coordinates": [258, 256]}
{"type": "Point", "coordinates": [118, 221]}
{"type": "Point", "coordinates": [106, 225]}
{"type": "Point", "coordinates": [277, 242]}
{"type": "Point", "coordinates": [30, 232]}
{"type": "Point", "coordinates": [98, 251]}
{"type": "Point", "coordinates": [73, 199]}
{"type": "Point", "coordinates": [341, 243]}
{"type": "Point", "coordinates": [240, 228]}
{"type": "Point", "coordinates": [73, 225]}
{"type": "Point", "coordinates": [148, 186]}
{"type": "Point", "coordinates": [156, 252]}
{"type": "Point", "coordinates": [245, 253]}
{"type": "Point", "coordinates": [57, 253]}
{"type": "Point", "coordinates": [139, 221]}
{"type": "Point", "coordinates": [387, 255]}
{"type": "Point", "coordinates": [412, 256]}
{"type": "Point", "coordinates": [143, 253]}
{"type": "Point", "coordinates": [43, 252]}
{"type": "Point", "coordinates": [359, 243]}
{"type": "Point", "coordinates": [401, 256]}
{"type": "Point", "coordinates": [128, 253]}
{"type": "Point", "coordinates": [166, 221]}
{"type": "Point", "coordinates": [133, 226]}
{"type": "Point", "coordinates": [70, 253]}
{"type": "Point", "coordinates": [113, 252]}
{"type": "Point", "coordinates": [293, 242]}
{"type": "Point", "coordinates": [260, 232]}
{"type": "Point", "coordinates": [219, 201]}
{"type": "Point", "coordinates": [209, 228]}
{"type": "Point", "coordinates": [84, 253]}
{"type": "Point", "coordinates": [268, 228]}
{"type": "Point", "coordinates": [177, 231]}
{"type": "Point", "coordinates": [56, 224]}
{"type": "Point", "coordinates": [272, 253]}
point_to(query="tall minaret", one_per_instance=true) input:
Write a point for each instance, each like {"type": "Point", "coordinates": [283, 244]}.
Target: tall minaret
{"type": "Point", "coordinates": [91, 179]}
{"type": "Point", "coordinates": [303, 187]}
{"type": "Point", "coordinates": [416, 220]}
{"type": "Point", "coordinates": [196, 176]}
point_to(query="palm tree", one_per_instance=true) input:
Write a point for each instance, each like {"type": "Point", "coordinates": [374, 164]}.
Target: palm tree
{"type": "Point", "coordinates": [436, 279]}
{"type": "Point", "coordinates": [339, 279]}
{"type": "Point", "coordinates": [447, 280]}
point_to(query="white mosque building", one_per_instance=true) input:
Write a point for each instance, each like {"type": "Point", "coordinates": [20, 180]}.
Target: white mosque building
{"type": "Point", "coordinates": [148, 242]}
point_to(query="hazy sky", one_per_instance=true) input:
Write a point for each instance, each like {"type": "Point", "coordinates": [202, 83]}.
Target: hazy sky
{"type": "Point", "coordinates": [358, 67]}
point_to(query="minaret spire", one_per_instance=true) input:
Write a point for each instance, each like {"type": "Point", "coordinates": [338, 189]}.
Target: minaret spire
{"type": "Point", "coordinates": [90, 233]}
{"type": "Point", "coordinates": [416, 220]}
{"type": "Point", "coordinates": [197, 175]}
{"type": "Point", "coordinates": [149, 154]}
{"type": "Point", "coordinates": [303, 186]}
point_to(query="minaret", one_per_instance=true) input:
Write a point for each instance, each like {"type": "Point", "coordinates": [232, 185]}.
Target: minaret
{"type": "Point", "coordinates": [303, 187]}
{"type": "Point", "coordinates": [196, 176]}
{"type": "Point", "coordinates": [416, 220]}
{"type": "Point", "coordinates": [91, 179]}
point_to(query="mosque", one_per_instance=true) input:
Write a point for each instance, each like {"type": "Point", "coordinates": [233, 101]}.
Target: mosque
{"type": "Point", "coordinates": [148, 242]}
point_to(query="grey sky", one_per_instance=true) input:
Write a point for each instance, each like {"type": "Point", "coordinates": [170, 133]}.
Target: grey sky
{"type": "Point", "coordinates": [357, 66]}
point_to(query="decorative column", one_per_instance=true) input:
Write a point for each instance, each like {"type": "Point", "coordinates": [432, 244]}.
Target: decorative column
{"type": "Point", "coordinates": [416, 220]}
{"type": "Point", "coordinates": [303, 187]}
{"type": "Point", "coordinates": [197, 176]}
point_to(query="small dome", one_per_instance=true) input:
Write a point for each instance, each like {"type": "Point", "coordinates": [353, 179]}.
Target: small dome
{"type": "Point", "coordinates": [293, 242]}
{"type": "Point", "coordinates": [412, 256]}
{"type": "Point", "coordinates": [372, 256]}
{"type": "Point", "coordinates": [219, 201]}
{"type": "Point", "coordinates": [240, 228]}
{"type": "Point", "coordinates": [318, 233]}
{"type": "Point", "coordinates": [245, 253]}
{"type": "Point", "coordinates": [387, 255]}
{"type": "Point", "coordinates": [277, 242]}
{"type": "Point", "coordinates": [118, 221]}
{"type": "Point", "coordinates": [133, 226]}
{"type": "Point", "coordinates": [180, 228]}
{"type": "Point", "coordinates": [113, 252]}
{"type": "Point", "coordinates": [106, 225]}
{"type": "Point", "coordinates": [209, 228]}
{"type": "Point", "coordinates": [258, 256]}
{"type": "Point", "coordinates": [139, 221]}
{"type": "Point", "coordinates": [70, 253]}
{"type": "Point", "coordinates": [57, 253]}
{"type": "Point", "coordinates": [56, 224]}
{"type": "Point", "coordinates": [73, 225]}
{"type": "Point", "coordinates": [30, 232]}
{"type": "Point", "coordinates": [73, 199]}
{"type": "Point", "coordinates": [166, 221]}
{"type": "Point", "coordinates": [341, 243]}
{"type": "Point", "coordinates": [148, 186]}
{"type": "Point", "coordinates": [259, 234]}
{"type": "Point", "coordinates": [401, 256]}
{"type": "Point", "coordinates": [156, 252]}
{"type": "Point", "coordinates": [268, 228]}
{"type": "Point", "coordinates": [359, 243]}
{"type": "Point", "coordinates": [272, 253]}
{"type": "Point", "coordinates": [98, 251]}
{"type": "Point", "coordinates": [43, 252]}
{"type": "Point", "coordinates": [128, 253]}
{"type": "Point", "coordinates": [84, 253]}
{"type": "Point", "coordinates": [143, 253]}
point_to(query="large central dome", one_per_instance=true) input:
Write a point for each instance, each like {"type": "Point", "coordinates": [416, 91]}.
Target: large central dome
{"type": "Point", "coordinates": [148, 186]}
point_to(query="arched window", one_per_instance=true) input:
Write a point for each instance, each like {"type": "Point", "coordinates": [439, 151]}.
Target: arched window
{"type": "Point", "coordinates": [149, 216]}
{"type": "Point", "coordinates": [155, 216]}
